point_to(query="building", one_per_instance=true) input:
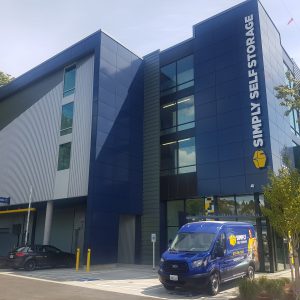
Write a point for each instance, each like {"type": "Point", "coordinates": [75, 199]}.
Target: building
{"type": "Point", "coordinates": [117, 147]}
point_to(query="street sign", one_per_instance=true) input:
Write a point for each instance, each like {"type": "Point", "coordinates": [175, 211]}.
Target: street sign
{"type": "Point", "coordinates": [5, 200]}
{"type": "Point", "coordinates": [153, 237]}
{"type": "Point", "coordinates": [153, 240]}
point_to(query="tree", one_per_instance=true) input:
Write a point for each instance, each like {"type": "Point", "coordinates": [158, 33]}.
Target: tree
{"type": "Point", "coordinates": [5, 78]}
{"type": "Point", "coordinates": [282, 208]}
{"type": "Point", "coordinates": [289, 94]}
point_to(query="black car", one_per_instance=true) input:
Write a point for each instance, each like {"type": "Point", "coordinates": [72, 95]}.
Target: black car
{"type": "Point", "coordinates": [39, 256]}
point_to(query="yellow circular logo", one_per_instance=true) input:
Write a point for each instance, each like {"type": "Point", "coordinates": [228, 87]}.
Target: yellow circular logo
{"type": "Point", "coordinates": [259, 159]}
{"type": "Point", "coordinates": [232, 240]}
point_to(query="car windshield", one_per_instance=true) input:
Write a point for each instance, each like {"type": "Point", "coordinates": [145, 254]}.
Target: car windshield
{"type": "Point", "coordinates": [195, 241]}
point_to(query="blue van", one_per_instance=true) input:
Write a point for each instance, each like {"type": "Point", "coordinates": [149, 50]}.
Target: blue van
{"type": "Point", "coordinates": [208, 253]}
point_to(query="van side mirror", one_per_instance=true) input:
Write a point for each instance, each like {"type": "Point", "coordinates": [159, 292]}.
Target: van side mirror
{"type": "Point", "coordinates": [219, 251]}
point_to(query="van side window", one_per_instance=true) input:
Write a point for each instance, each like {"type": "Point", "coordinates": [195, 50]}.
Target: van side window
{"type": "Point", "coordinates": [223, 241]}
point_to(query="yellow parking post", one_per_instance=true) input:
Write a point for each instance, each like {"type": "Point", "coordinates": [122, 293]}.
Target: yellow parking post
{"type": "Point", "coordinates": [77, 259]}
{"type": "Point", "coordinates": [88, 260]}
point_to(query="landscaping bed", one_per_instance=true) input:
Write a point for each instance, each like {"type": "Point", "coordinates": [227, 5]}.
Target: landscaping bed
{"type": "Point", "coordinates": [266, 289]}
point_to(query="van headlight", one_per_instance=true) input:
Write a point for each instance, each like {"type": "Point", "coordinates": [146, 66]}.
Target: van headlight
{"type": "Point", "coordinates": [162, 260]}
{"type": "Point", "coordinates": [199, 263]}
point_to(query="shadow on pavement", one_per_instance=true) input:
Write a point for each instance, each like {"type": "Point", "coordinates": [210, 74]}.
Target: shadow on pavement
{"type": "Point", "coordinates": [228, 290]}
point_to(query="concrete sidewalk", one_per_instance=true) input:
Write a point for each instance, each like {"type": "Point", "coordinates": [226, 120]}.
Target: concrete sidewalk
{"type": "Point", "coordinates": [127, 279]}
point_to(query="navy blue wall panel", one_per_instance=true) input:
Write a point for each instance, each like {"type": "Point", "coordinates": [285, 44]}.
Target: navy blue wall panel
{"type": "Point", "coordinates": [223, 116]}
{"type": "Point", "coordinates": [116, 161]}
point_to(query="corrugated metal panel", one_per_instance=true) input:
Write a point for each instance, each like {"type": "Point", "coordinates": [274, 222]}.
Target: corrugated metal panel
{"type": "Point", "coordinates": [81, 136]}
{"type": "Point", "coordinates": [151, 188]}
{"type": "Point", "coordinates": [28, 150]}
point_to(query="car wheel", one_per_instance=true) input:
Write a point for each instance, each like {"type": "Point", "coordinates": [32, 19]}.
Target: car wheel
{"type": "Point", "coordinates": [30, 265]}
{"type": "Point", "coordinates": [213, 284]}
{"type": "Point", "coordinates": [250, 273]}
{"type": "Point", "coordinates": [169, 287]}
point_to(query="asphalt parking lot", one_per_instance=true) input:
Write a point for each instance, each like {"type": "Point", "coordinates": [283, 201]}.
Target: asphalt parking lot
{"type": "Point", "coordinates": [130, 280]}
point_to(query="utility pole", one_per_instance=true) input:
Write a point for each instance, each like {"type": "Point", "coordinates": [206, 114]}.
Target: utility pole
{"type": "Point", "coordinates": [28, 216]}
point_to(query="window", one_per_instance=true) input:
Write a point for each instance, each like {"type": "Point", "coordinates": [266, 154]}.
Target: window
{"type": "Point", "coordinates": [294, 121]}
{"type": "Point", "coordinates": [69, 80]}
{"type": "Point", "coordinates": [177, 76]}
{"type": "Point", "coordinates": [64, 156]}
{"type": "Point", "coordinates": [178, 157]}
{"type": "Point", "coordinates": [66, 118]}
{"type": "Point", "coordinates": [245, 205]}
{"type": "Point", "coordinates": [178, 115]}
{"type": "Point", "coordinates": [174, 208]}
{"type": "Point", "coordinates": [226, 206]}
{"type": "Point", "coordinates": [194, 207]}
{"type": "Point", "coordinates": [294, 114]}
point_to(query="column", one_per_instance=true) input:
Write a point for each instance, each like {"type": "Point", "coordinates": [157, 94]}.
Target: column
{"type": "Point", "coordinates": [48, 222]}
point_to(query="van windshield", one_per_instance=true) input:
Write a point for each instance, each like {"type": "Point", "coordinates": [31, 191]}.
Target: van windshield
{"type": "Point", "coordinates": [195, 241]}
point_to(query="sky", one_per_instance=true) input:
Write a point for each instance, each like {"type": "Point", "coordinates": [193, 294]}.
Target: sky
{"type": "Point", "coordinates": [32, 31]}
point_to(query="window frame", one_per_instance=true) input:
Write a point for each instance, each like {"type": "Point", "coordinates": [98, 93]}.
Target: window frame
{"type": "Point", "coordinates": [177, 87]}
{"type": "Point", "coordinates": [178, 126]}
{"type": "Point", "coordinates": [66, 130]}
{"type": "Point", "coordinates": [59, 163]}
{"type": "Point", "coordinates": [71, 90]}
{"type": "Point", "coordinates": [176, 170]}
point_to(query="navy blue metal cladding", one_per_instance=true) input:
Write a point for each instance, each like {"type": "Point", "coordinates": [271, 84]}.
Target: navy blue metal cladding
{"type": "Point", "coordinates": [115, 185]}
{"type": "Point", "coordinates": [224, 134]}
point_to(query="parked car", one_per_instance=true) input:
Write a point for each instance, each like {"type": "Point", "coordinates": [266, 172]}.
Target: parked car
{"type": "Point", "coordinates": [208, 253]}
{"type": "Point", "coordinates": [39, 256]}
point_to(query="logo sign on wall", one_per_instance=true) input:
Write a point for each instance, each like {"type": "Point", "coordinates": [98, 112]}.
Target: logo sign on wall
{"type": "Point", "coordinates": [259, 156]}
{"type": "Point", "coordinates": [5, 200]}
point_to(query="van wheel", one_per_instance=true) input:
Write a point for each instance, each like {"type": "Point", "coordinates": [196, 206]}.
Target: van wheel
{"type": "Point", "coordinates": [30, 265]}
{"type": "Point", "coordinates": [169, 287]}
{"type": "Point", "coordinates": [213, 284]}
{"type": "Point", "coordinates": [250, 273]}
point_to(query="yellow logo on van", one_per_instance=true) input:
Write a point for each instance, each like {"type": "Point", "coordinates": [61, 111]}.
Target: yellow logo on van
{"type": "Point", "coordinates": [232, 240]}
{"type": "Point", "coordinates": [259, 159]}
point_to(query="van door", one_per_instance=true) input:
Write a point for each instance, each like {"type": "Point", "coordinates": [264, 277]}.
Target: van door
{"type": "Point", "coordinates": [221, 257]}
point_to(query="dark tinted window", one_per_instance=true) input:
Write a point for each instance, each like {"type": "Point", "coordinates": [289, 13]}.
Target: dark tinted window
{"type": "Point", "coordinates": [185, 70]}
{"type": "Point", "coordinates": [177, 75]}
{"type": "Point", "coordinates": [226, 206]}
{"type": "Point", "coordinates": [178, 157]}
{"type": "Point", "coordinates": [69, 80]}
{"type": "Point", "coordinates": [64, 156]}
{"type": "Point", "coordinates": [168, 77]}
{"type": "Point", "coordinates": [178, 115]}
{"type": "Point", "coordinates": [66, 118]}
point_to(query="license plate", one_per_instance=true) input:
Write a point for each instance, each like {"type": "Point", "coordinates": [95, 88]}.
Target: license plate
{"type": "Point", "coordinates": [11, 256]}
{"type": "Point", "coordinates": [174, 277]}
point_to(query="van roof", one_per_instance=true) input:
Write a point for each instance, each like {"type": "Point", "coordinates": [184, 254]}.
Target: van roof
{"type": "Point", "coordinates": [211, 226]}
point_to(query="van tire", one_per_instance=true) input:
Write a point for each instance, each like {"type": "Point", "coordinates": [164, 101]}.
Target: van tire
{"type": "Point", "coordinates": [213, 285]}
{"type": "Point", "coordinates": [250, 273]}
{"type": "Point", "coordinates": [169, 287]}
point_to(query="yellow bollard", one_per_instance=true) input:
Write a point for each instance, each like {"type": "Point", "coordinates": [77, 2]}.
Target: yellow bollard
{"type": "Point", "coordinates": [88, 260]}
{"type": "Point", "coordinates": [77, 259]}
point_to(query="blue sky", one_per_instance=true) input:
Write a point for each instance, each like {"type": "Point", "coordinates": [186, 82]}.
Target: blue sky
{"type": "Point", "coordinates": [34, 30]}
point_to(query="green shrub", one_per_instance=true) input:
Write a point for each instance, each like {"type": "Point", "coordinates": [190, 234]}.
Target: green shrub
{"type": "Point", "coordinates": [249, 290]}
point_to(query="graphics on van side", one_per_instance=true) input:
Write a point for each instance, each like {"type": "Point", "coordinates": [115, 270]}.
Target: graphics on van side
{"type": "Point", "coordinates": [248, 241]}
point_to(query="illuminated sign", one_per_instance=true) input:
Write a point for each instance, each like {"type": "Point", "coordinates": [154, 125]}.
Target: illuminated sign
{"type": "Point", "coordinates": [259, 157]}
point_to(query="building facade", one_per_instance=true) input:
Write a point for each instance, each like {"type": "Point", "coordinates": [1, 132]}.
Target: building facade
{"type": "Point", "coordinates": [117, 147]}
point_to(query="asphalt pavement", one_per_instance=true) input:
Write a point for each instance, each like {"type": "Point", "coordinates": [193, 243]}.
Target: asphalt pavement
{"type": "Point", "coordinates": [112, 281]}
{"type": "Point", "coordinates": [18, 288]}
